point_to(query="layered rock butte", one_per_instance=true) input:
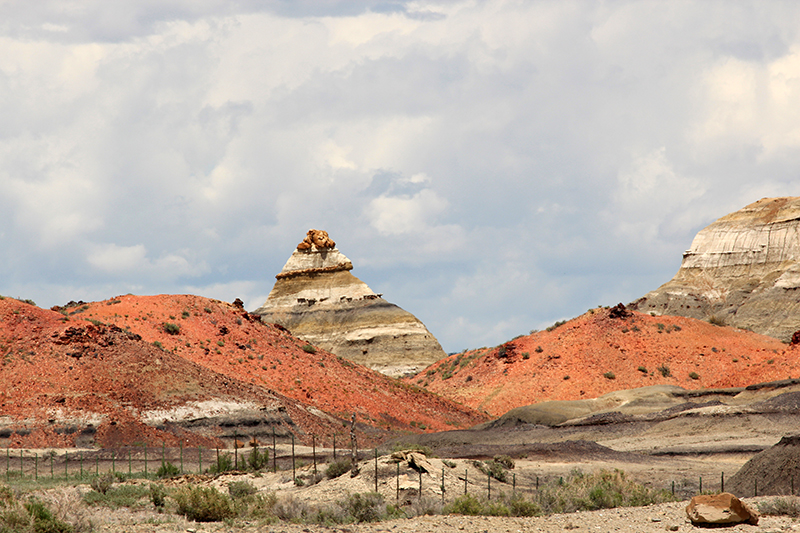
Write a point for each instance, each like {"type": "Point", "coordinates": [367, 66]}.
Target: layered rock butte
{"type": "Point", "coordinates": [317, 298]}
{"type": "Point", "coordinates": [742, 270]}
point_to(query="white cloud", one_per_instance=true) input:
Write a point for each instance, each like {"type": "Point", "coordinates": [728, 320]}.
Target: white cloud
{"type": "Point", "coordinates": [563, 150]}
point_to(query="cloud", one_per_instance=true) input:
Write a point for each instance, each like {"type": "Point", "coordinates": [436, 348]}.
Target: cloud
{"type": "Point", "coordinates": [492, 166]}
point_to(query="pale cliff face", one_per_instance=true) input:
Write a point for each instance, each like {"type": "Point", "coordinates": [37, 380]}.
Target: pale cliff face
{"type": "Point", "coordinates": [743, 270]}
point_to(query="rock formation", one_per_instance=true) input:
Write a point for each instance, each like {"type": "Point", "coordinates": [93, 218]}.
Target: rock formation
{"type": "Point", "coordinates": [320, 301]}
{"type": "Point", "coordinates": [720, 509]}
{"type": "Point", "coordinates": [743, 270]}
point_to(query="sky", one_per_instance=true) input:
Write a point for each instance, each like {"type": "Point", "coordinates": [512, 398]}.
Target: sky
{"type": "Point", "coordinates": [491, 167]}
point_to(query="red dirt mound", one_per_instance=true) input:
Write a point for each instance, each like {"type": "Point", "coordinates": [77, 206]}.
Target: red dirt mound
{"type": "Point", "coordinates": [607, 350]}
{"type": "Point", "coordinates": [63, 376]}
{"type": "Point", "coordinates": [227, 339]}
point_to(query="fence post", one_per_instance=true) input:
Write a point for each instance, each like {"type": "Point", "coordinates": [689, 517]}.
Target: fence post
{"type": "Point", "coordinates": [96, 465]}
{"type": "Point", "coordinates": [200, 458]}
{"type": "Point", "coordinates": [21, 473]}
{"type": "Point", "coordinates": [334, 447]}
{"type": "Point", "coordinates": [66, 465]}
{"type": "Point", "coordinates": [8, 459]}
{"type": "Point", "coordinates": [294, 475]}
{"type": "Point", "coordinates": [673, 487]}
{"type": "Point", "coordinates": [81, 466]}
{"type": "Point", "coordinates": [420, 484]}
{"type": "Point", "coordinates": [376, 469]}
{"type": "Point", "coordinates": [488, 487]}
{"type": "Point", "coordinates": [36, 467]}
{"type": "Point", "coordinates": [722, 482]}
{"type": "Point", "coordinates": [701, 484]}
{"type": "Point", "coordinates": [397, 482]}
{"type": "Point", "coordinates": [466, 471]}
{"type": "Point", "coordinates": [181, 456]}
{"type": "Point", "coordinates": [130, 464]}
{"type": "Point", "coordinates": [274, 452]}
{"type": "Point", "coordinates": [52, 457]}
{"type": "Point", "coordinates": [314, 452]}
{"type": "Point", "coordinates": [113, 464]}
{"type": "Point", "coordinates": [163, 451]}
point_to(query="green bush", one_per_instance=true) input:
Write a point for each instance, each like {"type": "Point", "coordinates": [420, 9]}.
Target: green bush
{"type": "Point", "coordinates": [467, 505]}
{"type": "Point", "coordinates": [223, 464]}
{"type": "Point", "coordinates": [609, 375]}
{"type": "Point", "coordinates": [167, 470]}
{"type": "Point", "coordinates": [203, 504]}
{"type": "Point", "coordinates": [337, 468]}
{"type": "Point", "coordinates": [787, 506]}
{"type": "Point", "coordinates": [241, 489]}
{"type": "Point", "coordinates": [170, 328]}
{"type": "Point", "coordinates": [44, 521]}
{"type": "Point", "coordinates": [158, 495]}
{"type": "Point", "coordinates": [101, 484]}
{"type": "Point", "coordinates": [258, 460]}
{"type": "Point", "coordinates": [505, 460]}
{"type": "Point", "coordinates": [665, 371]}
{"type": "Point", "coordinates": [117, 496]}
{"type": "Point", "coordinates": [694, 375]}
{"type": "Point", "coordinates": [367, 507]}
{"type": "Point", "coordinates": [309, 349]}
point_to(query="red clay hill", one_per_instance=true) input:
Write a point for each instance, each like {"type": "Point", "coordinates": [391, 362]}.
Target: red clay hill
{"type": "Point", "coordinates": [606, 350]}
{"type": "Point", "coordinates": [65, 381]}
{"type": "Point", "coordinates": [228, 340]}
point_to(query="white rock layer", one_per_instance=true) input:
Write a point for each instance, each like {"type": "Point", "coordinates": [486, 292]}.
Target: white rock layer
{"type": "Point", "coordinates": [743, 270]}
{"type": "Point", "coordinates": [320, 301]}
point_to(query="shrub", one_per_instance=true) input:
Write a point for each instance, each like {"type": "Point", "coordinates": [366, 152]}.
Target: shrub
{"type": "Point", "coordinates": [258, 460]}
{"type": "Point", "coordinates": [716, 321]}
{"type": "Point", "coordinates": [167, 470]}
{"type": "Point", "coordinates": [172, 329]}
{"type": "Point", "coordinates": [367, 507]}
{"type": "Point", "coordinates": [158, 495]}
{"type": "Point", "coordinates": [223, 464]}
{"type": "Point", "coordinates": [101, 484]}
{"type": "Point", "coordinates": [203, 504]}
{"type": "Point", "coordinates": [308, 348]}
{"type": "Point", "coordinates": [466, 504]}
{"type": "Point", "coordinates": [664, 369]}
{"type": "Point", "coordinates": [609, 375]}
{"type": "Point", "coordinates": [43, 519]}
{"type": "Point", "coordinates": [555, 325]}
{"type": "Point", "coordinates": [505, 460]}
{"type": "Point", "coordinates": [694, 375]}
{"type": "Point", "coordinates": [788, 506]}
{"type": "Point", "coordinates": [642, 369]}
{"type": "Point", "coordinates": [526, 355]}
{"type": "Point", "coordinates": [539, 349]}
{"type": "Point", "coordinates": [493, 469]}
{"type": "Point", "coordinates": [337, 468]}
{"type": "Point", "coordinates": [118, 496]}
{"type": "Point", "coordinates": [241, 489]}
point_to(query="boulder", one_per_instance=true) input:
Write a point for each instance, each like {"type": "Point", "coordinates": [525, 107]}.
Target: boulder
{"type": "Point", "coordinates": [720, 509]}
{"type": "Point", "coordinates": [318, 300]}
{"type": "Point", "coordinates": [743, 270]}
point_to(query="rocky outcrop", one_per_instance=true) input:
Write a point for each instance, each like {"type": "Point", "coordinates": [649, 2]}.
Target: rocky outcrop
{"type": "Point", "coordinates": [720, 509]}
{"type": "Point", "coordinates": [743, 270]}
{"type": "Point", "coordinates": [317, 298]}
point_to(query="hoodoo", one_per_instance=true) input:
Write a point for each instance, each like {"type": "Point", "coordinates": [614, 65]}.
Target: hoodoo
{"type": "Point", "coordinates": [317, 298]}
{"type": "Point", "coordinates": [743, 270]}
